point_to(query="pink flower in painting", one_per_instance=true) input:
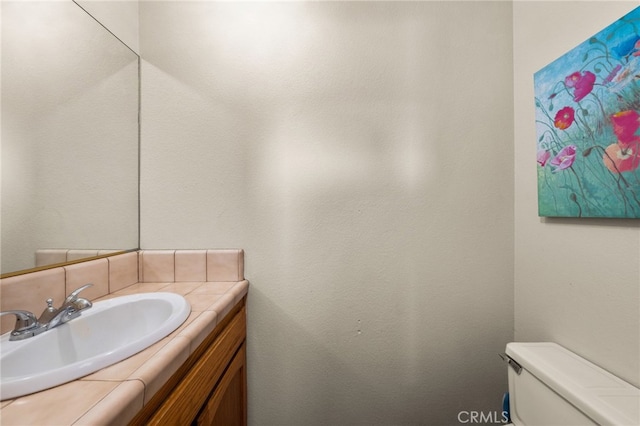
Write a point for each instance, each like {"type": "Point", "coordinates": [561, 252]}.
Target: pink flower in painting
{"type": "Point", "coordinates": [581, 83]}
{"type": "Point", "coordinates": [620, 159]}
{"type": "Point", "coordinates": [564, 118]}
{"type": "Point", "coordinates": [565, 158]}
{"type": "Point", "coordinates": [625, 125]}
{"type": "Point", "coordinates": [584, 86]}
{"type": "Point", "coordinates": [543, 157]}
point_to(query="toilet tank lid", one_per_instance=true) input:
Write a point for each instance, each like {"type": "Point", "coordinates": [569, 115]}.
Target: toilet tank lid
{"type": "Point", "coordinates": [603, 397]}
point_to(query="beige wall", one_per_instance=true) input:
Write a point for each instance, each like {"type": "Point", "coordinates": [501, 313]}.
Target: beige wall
{"type": "Point", "coordinates": [577, 282]}
{"type": "Point", "coordinates": [362, 154]}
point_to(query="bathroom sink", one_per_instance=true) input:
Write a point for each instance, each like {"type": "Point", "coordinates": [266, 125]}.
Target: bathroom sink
{"type": "Point", "coordinates": [109, 332]}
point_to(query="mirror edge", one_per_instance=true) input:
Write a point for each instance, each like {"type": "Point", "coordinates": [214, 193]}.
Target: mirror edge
{"type": "Point", "coordinates": [61, 264]}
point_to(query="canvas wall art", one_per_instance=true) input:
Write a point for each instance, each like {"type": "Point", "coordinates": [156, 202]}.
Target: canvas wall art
{"type": "Point", "coordinates": [587, 123]}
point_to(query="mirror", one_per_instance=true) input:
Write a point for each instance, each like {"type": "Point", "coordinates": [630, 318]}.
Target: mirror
{"type": "Point", "coordinates": [70, 137]}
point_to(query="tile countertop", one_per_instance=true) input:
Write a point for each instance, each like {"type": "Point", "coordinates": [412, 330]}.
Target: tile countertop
{"type": "Point", "coordinates": [116, 393]}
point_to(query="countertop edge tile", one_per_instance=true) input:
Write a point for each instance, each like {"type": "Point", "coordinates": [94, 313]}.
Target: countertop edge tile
{"type": "Point", "coordinates": [240, 290]}
{"type": "Point", "coordinates": [199, 329]}
{"type": "Point", "coordinates": [223, 305]}
{"type": "Point", "coordinates": [118, 407]}
{"type": "Point", "coordinates": [159, 368]}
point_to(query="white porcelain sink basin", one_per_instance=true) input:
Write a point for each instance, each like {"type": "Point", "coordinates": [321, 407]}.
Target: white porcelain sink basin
{"type": "Point", "coordinates": [109, 332]}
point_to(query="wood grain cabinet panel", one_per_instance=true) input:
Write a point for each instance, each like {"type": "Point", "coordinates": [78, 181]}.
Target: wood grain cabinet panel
{"type": "Point", "coordinates": [211, 387]}
{"type": "Point", "coordinates": [226, 406]}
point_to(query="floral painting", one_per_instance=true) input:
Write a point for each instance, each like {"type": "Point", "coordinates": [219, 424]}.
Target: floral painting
{"type": "Point", "coordinates": [587, 122]}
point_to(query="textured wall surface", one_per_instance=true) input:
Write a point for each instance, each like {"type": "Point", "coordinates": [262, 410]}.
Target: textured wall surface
{"type": "Point", "coordinates": [577, 282]}
{"type": "Point", "coordinates": [362, 155]}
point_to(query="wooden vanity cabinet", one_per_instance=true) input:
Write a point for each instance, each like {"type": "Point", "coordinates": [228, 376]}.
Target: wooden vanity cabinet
{"type": "Point", "coordinates": [210, 388]}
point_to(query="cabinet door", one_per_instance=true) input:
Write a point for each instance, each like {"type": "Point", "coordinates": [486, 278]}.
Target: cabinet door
{"type": "Point", "coordinates": [193, 388]}
{"type": "Point", "coordinates": [227, 404]}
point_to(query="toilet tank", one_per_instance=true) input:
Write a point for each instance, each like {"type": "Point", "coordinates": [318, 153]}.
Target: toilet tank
{"type": "Point", "coordinates": [557, 387]}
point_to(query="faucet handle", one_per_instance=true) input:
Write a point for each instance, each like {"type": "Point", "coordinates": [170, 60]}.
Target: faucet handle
{"type": "Point", "coordinates": [25, 320]}
{"type": "Point", "coordinates": [74, 294]}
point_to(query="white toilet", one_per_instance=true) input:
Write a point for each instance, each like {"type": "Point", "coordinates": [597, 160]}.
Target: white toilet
{"type": "Point", "coordinates": [549, 385]}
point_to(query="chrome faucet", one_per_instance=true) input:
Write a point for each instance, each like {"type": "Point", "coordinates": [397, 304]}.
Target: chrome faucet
{"type": "Point", "coordinates": [28, 326]}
